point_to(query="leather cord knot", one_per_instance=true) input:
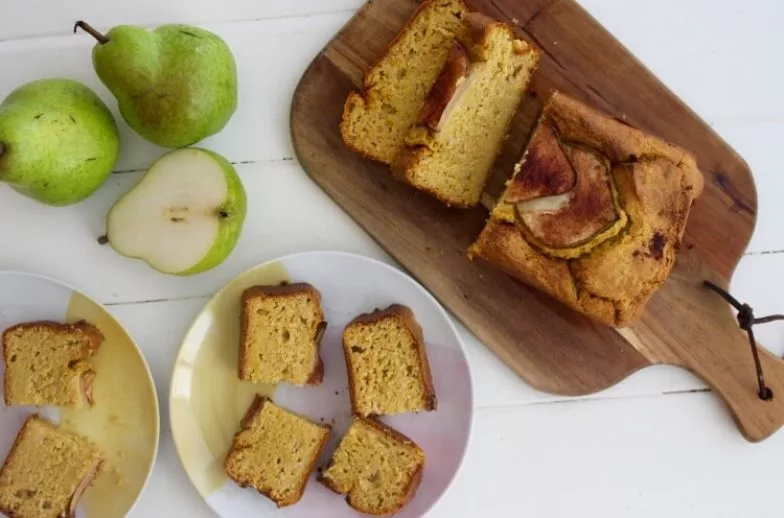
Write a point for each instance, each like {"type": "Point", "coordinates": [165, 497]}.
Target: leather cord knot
{"type": "Point", "coordinates": [746, 321]}
{"type": "Point", "coordinates": [745, 317]}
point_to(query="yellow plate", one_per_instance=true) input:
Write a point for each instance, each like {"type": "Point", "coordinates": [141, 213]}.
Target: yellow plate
{"type": "Point", "coordinates": [124, 422]}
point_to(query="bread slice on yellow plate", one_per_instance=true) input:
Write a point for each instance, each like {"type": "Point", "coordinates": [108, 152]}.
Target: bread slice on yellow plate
{"type": "Point", "coordinates": [375, 121]}
{"type": "Point", "coordinates": [275, 451]}
{"type": "Point", "coordinates": [594, 213]}
{"type": "Point", "coordinates": [450, 152]}
{"type": "Point", "coordinates": [386, 358]}
{"type": "Point", "coordinates": [378, 468]}
{"type": "Point", "coordinates": [47, 363]}
{"type": "Point", "coordinates": [46, 471]}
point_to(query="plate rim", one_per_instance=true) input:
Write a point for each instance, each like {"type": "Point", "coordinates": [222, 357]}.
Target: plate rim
{"type": "Point", "coordinates": [383, 265]}
{"type": "Point", "coordinates": [154, 459]}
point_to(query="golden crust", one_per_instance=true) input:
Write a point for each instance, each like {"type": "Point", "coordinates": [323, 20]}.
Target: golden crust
{"type": "Point", "coordinates": [611, 280]}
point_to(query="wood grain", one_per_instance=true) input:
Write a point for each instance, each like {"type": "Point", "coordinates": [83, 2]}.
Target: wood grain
{"type": "Point", "coordinates": [551, 347]}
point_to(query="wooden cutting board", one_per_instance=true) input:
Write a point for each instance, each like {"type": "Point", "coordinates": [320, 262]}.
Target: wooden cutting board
{"type": "Point", "coordinates": [551, 347]}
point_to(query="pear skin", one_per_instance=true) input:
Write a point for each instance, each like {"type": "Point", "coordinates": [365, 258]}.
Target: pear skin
{"type": "Point", "coordinates": [58, 141]}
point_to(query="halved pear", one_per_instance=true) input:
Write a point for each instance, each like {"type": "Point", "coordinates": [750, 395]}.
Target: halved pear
{"type": "Point", "coordinates": [185, 215]}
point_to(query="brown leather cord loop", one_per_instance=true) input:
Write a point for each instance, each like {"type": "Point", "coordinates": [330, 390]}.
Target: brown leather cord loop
{"type": "Point", "coordinates": [746, 321]}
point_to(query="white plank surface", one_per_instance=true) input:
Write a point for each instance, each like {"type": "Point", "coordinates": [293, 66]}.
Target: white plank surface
{"type": "Point", "coordinates": [648, 447]}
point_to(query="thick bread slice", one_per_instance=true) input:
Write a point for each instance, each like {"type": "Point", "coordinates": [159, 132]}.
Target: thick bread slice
{"type": "Point", "coordinates": [46, 472]}
{"type": "Point", "coordinates": [375, 122]}
{"type": "Point", "coordinates": [603, 250]}
{"type": "Point", "coordinates": [275, 451]}
{"type": "Point", "coordinates": [450, 152]}
{"type": "Point", "coordinates": [386, 359]}
{"type": "Point", "coordinates": [378, 468]}
{"type": "Point", "coordinates": [48, 363]}
{"type": "Point", "coordinates": [280, 334]}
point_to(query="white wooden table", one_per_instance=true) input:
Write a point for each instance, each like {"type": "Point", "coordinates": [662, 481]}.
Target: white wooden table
{"type": "Point", "coordinates": [658, 444]}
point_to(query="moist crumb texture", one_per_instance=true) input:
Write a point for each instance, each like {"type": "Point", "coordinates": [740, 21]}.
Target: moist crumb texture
{"type": "Point", "coordinates": [281, 331]}
{"type": "Point", "coordinates": [450, 152]}
{"type": "Point", "coordinates": [46, 471]}
{"type": "Point", "coordinates": [376, 121]}
{"type": "Point", "coordinates": [48, 363]}
{"type": "Point", "coordinates": [377, 468]}
{"type": "Point", "coordinates": [594, 213]}
{"type": "Point", "coordinates": [387, 362]}
{"type": "Point", "coordinates": [275, 452]}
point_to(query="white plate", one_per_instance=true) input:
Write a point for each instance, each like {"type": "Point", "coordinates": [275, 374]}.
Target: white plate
{"type": "Point", "coordinates": [207, 400]}
{"type": "Point", "coordinates": [124, 422]}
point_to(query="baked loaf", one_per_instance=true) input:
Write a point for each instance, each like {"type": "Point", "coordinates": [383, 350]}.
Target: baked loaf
{"type": "Point", "coordinates": [594, 213]}
{"type": "Point", "coordinates": [450, 151]}
{"type": "Point", "coordinates": [388, 370]}
{"type": "Point", "coordinates": [46, 472]}
{"type": "Point", "coordinates": [377, 468]}
{"type": "Point", "coordinates": [281, 329]}
{"type": "Point", "coordinates": [375, 122]}
{"type": "Point", "coordinates": [275, 452]}
{"type": "Point", "coordinates": [47, 363]}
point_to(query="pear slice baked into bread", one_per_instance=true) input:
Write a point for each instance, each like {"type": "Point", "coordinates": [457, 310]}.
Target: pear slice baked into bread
{"type": "Point", "coordinates": [46, 472]}
{"type": "Point", "coordinates": [450, 151]}
{"type": "Point", "coordinates": [378, 468]}
{"type": "Point", "coordinates": [47, 363]}
{"type": "Point", "coordinates": [386, 359]}
{"type": "Point", "coordinates": [280, 334]}
{"type": "Point", "coordinates": [275, 451]}
{"type": "Point", "coordinates": [594, 213]}
{"type": "Point", "coordinates": [375, 122]}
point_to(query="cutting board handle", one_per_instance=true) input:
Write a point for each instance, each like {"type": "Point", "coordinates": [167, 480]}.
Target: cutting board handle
{"type": "Point", "coordinates": [703, 336]}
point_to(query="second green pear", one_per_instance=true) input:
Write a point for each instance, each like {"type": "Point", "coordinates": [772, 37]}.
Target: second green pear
{"type": "Point", "coordinates": [175, 85]}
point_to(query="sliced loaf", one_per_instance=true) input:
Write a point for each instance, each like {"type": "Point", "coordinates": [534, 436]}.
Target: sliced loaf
{"type": "Point", "coordinates": [375, 122]}
{"type": "Point", "coordinates": [275, 452]}
{"type": "Point", "coordinates": [450, 151]}
{"type": "Point", "coordinates": [376, 467]}
{"type": "Point", "coordinates": [387, 363]}
{"type": "Point", "coordinates": [280, 334]}
{"type": "Point", "coordinates": [47, 471]}
{"type": "Point", "coordinates": [47, 363]}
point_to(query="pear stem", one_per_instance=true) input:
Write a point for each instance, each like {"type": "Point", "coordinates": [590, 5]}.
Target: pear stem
{"type": "Point", "coordinates": [102, 39]}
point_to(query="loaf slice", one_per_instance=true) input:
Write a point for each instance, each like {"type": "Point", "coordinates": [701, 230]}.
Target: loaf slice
{"type": "Point", "coordinates": [450, 152]}
{"type": "Point", "coordinates": [378, 468]}
{"type": "Point", "coordinates": [594, 213]}
{"type": "Point", "coordinates": [375, 122]}
{"type": "Point", "coordinates": [275, 451]}
{"type": "Point", "coordinates": [47, 363]}
{"type": "Point", "coordinates": [281, 329]}
{"type": "Point", "coordinates": [46, 472]}
{"type": "Point", "coordinates": [387, 364]}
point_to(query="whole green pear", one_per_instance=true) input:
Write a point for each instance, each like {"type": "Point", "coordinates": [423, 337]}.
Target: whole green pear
{"type": "Point", "coordinates": [175, 85]}
{"type": "Point", "coordinates": [58, 141]}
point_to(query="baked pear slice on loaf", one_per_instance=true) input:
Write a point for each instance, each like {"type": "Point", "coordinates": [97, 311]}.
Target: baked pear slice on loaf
{"type": "Point", "coordinates": [594, 213]}
{"type": "Point", "coordinates": [449, 153]}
